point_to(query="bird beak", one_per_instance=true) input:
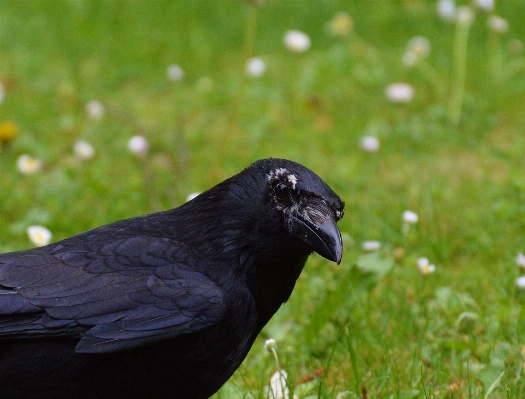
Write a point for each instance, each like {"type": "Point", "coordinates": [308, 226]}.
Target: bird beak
{"type": "Point", "coordinates": [323, 238]}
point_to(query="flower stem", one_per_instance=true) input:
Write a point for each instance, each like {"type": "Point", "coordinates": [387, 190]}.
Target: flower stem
{"type": "Point", "coordinates": [433, 77]}
{"type": "Point", "coordinates": [274, 353]}
{"type": "Point", "coordinates": [495, 59]}
{"type": "Point", "coordinates": [249, 40]}
{"type": "Point", "coordinates": [459, 71]}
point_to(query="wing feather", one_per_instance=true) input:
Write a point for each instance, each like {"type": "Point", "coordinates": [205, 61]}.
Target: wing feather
{"type": "Point", "coordinates": [114, 296]}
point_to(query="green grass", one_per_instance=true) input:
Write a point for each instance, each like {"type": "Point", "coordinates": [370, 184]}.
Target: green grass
{"type": "Point", "coordinates": [372, 325]}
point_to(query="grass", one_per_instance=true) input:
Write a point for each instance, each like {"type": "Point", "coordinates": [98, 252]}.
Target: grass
{"type": "Point", "coordinates": [372, 326]}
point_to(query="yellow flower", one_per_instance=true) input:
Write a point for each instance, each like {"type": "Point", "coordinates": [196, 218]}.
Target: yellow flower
{"type": "Point", "coordinates": [341, 24]}
{"type": "Point", "coordinates": [8, 131]}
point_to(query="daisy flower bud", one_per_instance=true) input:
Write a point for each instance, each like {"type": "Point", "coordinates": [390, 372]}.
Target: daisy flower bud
{"type": "Point", "coordinates": [270, 344]}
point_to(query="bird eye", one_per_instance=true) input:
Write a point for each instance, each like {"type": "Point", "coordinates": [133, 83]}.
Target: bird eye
{"type": "Point", "coordinates": [282, 191]}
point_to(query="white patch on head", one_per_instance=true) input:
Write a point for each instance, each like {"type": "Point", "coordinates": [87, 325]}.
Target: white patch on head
{"type": "Point", "coordinates": [292, 179]}
{"type": "Point", "coordinates": [276, 173]}
{"type": "Point", "coordinates": [283, 173]}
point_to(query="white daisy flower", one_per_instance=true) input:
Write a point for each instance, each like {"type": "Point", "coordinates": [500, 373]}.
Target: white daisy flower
{"type": "Point", "coordinates": [446, 9]}
{"type": "Point", "coordinates": [138, 145]}
{"type": "Point", "coordinates": [39, 235]}
{"type": "Point", "coordinates": [420, 46]}
{"type": "Point", "coordinates": [174, 73]}
{"type": "Point", "coordinates": [28, 165]}
{"type": "Point", "coordinates": [369, 143]}
{"type": "Point", "coordinates": [296, 41]}
{"type": "Point", "coordinates": [498, 24]}
{"type": "Point", "coordinates": [399, 92]}
{"type": "Point", "coordinates": [425, 267]}
{"type": "Point", "coordinates": [191, 196]}
{"type": "Point", "coordinates": [464, 15]}
{"type": "Point", "coordinates": [278, 388]}
{"type": "Point", "coordinates": [520, 282]}
{"type": "Point", "coordinates": [371, 245]}
{"type": "Point", "coordinates": [417, 48]}
{"type": "Point", "coordinates": [410, 217]}
{"type": "Point", "coordinates": [255, 67]}
{"type": "Point", "coordinates": [95, 109]}
{"type": "Point", "coordinates": [83, 150]}
{"type": "Point", "coordinates": [520, 260]}
{"type": "Point", "coordinates": [486, 5]}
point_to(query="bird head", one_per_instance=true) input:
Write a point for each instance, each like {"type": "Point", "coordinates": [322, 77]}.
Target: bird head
{"type": "Point", "coordinates": [307, 208]}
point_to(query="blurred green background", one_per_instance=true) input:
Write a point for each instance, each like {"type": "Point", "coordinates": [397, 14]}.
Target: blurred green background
{"type": "Point", "coordinates": [452, 152]}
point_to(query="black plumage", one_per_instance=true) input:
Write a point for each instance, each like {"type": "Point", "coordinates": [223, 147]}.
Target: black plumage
{"type": "Point", "coordinates": [165, 305]}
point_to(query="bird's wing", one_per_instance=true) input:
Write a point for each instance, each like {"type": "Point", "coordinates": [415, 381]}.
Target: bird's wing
{"type": "Point", "coordinates": [116, 296]}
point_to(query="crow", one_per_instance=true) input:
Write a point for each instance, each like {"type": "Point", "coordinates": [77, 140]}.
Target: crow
{"type": "Point", "coordinates": [165, 305]}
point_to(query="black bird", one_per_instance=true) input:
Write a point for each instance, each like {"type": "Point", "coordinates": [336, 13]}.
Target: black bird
{"type": "Point", "coordinates": [165, 305]}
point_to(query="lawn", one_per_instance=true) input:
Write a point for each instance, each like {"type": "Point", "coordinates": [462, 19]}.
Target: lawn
{"type": "Point", "coordinates": [447, 144]}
